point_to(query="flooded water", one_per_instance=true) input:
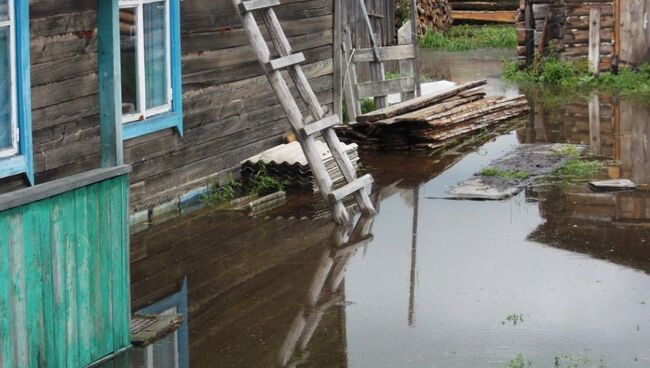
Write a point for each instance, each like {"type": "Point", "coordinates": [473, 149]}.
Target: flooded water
{"type": "Point", "coordinates": [559, 275]}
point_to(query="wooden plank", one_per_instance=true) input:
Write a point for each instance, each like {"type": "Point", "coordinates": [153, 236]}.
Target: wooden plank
{"type": "Point", "coordinates": [18, 288]}
{"type": "Point", "coordinates": [386, 87]}
{"type": "Point", "coordinates": [251, 5]}
{"type": "Point", "coordinates": [85, 240]}
{"type": "Point", "coordinates": [325, 123]}
{"type": "Point", "coordinates": [350, 79]}
{"type": "Point", "coordinates": [387, 53]}
{"type": "Point", "coordinates": [33, 232]}
{"type": "Point", "coordinates": [338, 58]}
{"type": "Point", "coordinates": [594, 40]}
{"type": "Point", "coordinates": [50, 189]}
{"type": "Point", "coordinates": [416, 42]}
{"type": "Point", "coordinates": [8, 319]}
{"type": "Point", "coordinates": [286, 61]}
{"type": "Point", "coordinates": [103, 319]}
{"type": "Point", "coordinates": [407, 67]}
{"type": "Point", "coordinates": [418, 103]}
{"type": "Point", "coordinates": [350, 188]}
{"type": "Point", "coordinates": [501, 16]}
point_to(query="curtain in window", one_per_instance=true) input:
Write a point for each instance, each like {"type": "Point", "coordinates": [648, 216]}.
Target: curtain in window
{"type": "Point", "coordinates": [155, 52]}
{"type": "Point", "coordinates": [5, 88]}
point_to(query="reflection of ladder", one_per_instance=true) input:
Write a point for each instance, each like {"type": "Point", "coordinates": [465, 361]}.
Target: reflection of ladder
{"type": "Point", "coordinates": [305, 131]}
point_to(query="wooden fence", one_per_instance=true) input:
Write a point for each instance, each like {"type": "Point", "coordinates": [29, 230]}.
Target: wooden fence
{"type": "Point", "coordinates": [382, 18]}
{"type": "Point", "coordinates": [64, 271]}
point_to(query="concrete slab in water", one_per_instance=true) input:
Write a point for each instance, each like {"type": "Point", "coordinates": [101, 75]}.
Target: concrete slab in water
{"type": "Point", "coordinates": [537, 160]}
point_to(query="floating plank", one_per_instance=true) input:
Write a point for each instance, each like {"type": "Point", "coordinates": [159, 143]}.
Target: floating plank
{"type": "Point", "coordinates": [417, 103]}
{"type": "Point", "coordinates": [286, 61]}
{"type": "Point", "coordinates": [320, 125]}
{"type": "Point", "coordinates": [354, 186]}
{"type": "Point", "coordinates": [251, 5]}
{"type": "Point", "coordinates": [400, 52]}
{"type": "Point", "coordinates": [486, 16]}
{"type": "Point", "coordinates": [386, 87]}
{"type": "Point", "coordinates": [612, 185]}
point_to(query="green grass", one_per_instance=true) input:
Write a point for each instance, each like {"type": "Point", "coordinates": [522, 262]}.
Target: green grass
{"type": "Point", "coordinates": [468, 37]}
{"type": "Point", "coordinates": [576, 169]}
{"type": "Point", "coordinates": [505, 174]}
{"type": "Point", "coordinates": [260, 184]}
{"type": "Point", "coordinates": [574, 77]}
{"type": "Point", "coordinates": [218, 194]}
{"type": "Point", "coordinates": [519, 361]}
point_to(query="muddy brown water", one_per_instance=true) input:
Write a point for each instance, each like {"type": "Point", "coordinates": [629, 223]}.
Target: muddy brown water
{"type": "Point", "coordinates": [560, 275]}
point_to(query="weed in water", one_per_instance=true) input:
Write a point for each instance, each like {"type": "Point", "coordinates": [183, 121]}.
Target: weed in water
{"type": "Point", "coordinates": [514, 318]}
{"type": "Point", "coordinates": [519, 361]}
{"type": "Point", "coordinates": [576, 169]}
{"type": "Point", "coordinates": [468, 37]}
{"type": "Point", "coordinates": [218, 194]}
{"type": "Point", "coordinates": [262, 183]}
{"type": "Point", "coordinates": [505, 174]}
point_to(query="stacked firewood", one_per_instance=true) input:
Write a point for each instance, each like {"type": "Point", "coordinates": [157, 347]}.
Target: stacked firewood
{"type": "Point", "coordinates": [433, 122]}
{"type": "Point", "coordinates": [433, 15]}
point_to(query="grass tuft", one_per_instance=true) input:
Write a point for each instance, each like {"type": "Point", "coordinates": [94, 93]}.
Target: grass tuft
{"type": "Point", "coordinates": [468, 37]}
{"type": "Point", "coordinates": [505, 174]}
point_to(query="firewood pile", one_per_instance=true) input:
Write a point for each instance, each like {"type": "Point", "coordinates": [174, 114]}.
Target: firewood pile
{"type": "Point", "coordinates": [433, 122]}
{"type": "Point", "coordinates": [432, 15]}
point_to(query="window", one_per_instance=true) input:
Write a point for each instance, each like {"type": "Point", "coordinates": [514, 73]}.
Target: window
{"type": "Point", "coordinates": [148, 55]}
{"type": "Point", "coordinates": [15, 115]}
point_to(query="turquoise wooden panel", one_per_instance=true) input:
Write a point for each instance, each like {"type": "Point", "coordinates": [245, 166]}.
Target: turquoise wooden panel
{"type": "Point", "coordinates": [64, 278]}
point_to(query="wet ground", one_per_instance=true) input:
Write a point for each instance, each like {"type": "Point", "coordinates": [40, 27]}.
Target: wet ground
{"type": "Point", "coordinates": [559, 275]}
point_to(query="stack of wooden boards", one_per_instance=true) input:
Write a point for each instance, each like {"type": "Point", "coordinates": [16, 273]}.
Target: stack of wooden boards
{"type": "Point", "coordinates": [288, 164]}
{"type": "Point", "coordinates": [435, 121]}
{"type": "Point", "coordinates": [485, 10]}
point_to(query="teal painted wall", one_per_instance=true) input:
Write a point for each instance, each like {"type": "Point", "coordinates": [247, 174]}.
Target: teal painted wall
{"type": "Point", "coordinates": [64, 278]}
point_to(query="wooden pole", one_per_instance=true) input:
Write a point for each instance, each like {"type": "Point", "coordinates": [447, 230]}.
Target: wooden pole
{"type": "Point", "coordinates": [406, 67]}
{"type": "Point", "coordinates": [530, 33]}
{"type": "Point", "coordinates": [594, 40]}
{"type": "Point", "coordinates": [416, 46]}
{"type": "Point", "coordinates": [594, 124]}
{"type": "Point", "coordinates": [339, 63]}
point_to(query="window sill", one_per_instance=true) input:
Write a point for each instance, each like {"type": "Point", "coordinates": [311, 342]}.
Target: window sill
{"type": "Point", "coordinates": [14, 165]}
{"type": "Point", "coordinates": [153, 124]}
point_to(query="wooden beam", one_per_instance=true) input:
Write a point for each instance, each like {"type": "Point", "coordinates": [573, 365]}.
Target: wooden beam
{"type": "Point", "coordinates": [416, 45]}
{"type": "Point", "coordinates": [594, 40]}
{"type": "Point", "coordinates": [46, 190]}
{"type": "Point", "coordinates": [401, 52]}
{"type": "Point", "coordinates": [486, 16]}
{"type": "Point", "coordinates": [110, 92]}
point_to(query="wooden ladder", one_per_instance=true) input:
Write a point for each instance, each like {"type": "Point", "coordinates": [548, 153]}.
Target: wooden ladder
{"type": "Point", "coordinates": [304, 130]}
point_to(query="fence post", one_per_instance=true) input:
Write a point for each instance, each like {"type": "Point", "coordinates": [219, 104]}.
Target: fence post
{"type": "Point", "coordinates": [594, 40]}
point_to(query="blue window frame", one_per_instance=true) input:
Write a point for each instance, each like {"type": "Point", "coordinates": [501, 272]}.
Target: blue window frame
{"type": "Point", "coordinates": [140, 65]}
{"type": "Point", "coordinates": [15, 101]}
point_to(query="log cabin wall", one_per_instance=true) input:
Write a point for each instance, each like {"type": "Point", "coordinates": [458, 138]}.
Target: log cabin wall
{"type": "Point", "coordinates": [230, 112]}
{"type": "Point", "coordinates": [568, 28]}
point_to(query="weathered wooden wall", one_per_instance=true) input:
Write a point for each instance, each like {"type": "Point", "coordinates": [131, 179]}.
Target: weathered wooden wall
{"type": "Point", "coordinates": [64, 277]}
{"type": "Point", "coordinates": [384, 25]}
{"type": "Point", "coordinates": [635, 32]}
{"type": "Point", "coordinates": [230, 110]}
{"type": "Point", "coordinates": [568, 28]}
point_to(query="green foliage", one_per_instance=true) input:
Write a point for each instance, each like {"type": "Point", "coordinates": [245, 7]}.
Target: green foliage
{"type": "Point", "coordinates": [505, 174]}
{"type": "Point", "coordinates": [574, 77]}
{"type": "Point", "coordinates": [218, 194]}
{"type": "Point", "coordinates": [468, 37]}
{"type": "Point", "coordinates": [262, 183]}
{"type": "Point", "coordinates": [391, 75]}
{"type": "Point", "coordinates": [576, 169]}
{"type": "Point", "coordinates": [519, 362]}
{"type": "Point", "coordinates": [368, 105]}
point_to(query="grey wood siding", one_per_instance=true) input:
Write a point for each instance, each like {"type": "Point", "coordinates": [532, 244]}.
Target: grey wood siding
{"type": "Point", "coordinates": [230, 112]}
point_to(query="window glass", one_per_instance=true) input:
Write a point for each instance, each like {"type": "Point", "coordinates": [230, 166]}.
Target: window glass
{"type": "Point", "coordinates": [129, 60]}
{"type": "Point", "coordinates": [6, 131]}
{"type": "Point", "coordinates": [155, 51]}
{"type": "Point", "coordinates": [4, 10]}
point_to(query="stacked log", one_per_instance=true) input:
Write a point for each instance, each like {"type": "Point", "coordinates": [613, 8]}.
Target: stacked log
{"type": "Point", "coordinates": [433, 15]}
{"type": "Point", "coordinates": [430, 123]}
{"type": "Point", "coordinates": [484, 11]}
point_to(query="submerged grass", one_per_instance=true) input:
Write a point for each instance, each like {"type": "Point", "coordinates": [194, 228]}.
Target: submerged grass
{"type": "Point", "coordinates": [505, 174]}
{"type": "Point", "coordinates": [260, 184]}
{"type": "Point", "coordinates": [576, 169]}
{"type": "Point", "coordinates": [468, 37]}
{"type": "Point", "coordinates": [574, 77]}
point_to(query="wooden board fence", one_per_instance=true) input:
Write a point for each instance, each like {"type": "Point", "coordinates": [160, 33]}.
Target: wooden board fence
{"type": "Point", "coordinates": [64, 271]}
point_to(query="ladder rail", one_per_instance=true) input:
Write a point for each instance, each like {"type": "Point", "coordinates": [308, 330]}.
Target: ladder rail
{"type": "Point", "coordinates": [294, 114]}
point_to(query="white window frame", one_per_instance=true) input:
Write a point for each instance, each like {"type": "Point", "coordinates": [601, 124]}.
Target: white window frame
{"type": "Point", "coordinates": [141, 81]}
{"type": "Point", "coordinates": [13, 150]}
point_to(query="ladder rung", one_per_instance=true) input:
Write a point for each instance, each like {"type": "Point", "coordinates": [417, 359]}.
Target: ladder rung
{"type": "Point", "coordinates": [286, 61]}
{"type": "Point", "coordinates": [320, 125]}
{"type": "Point", "coordinates": [356, 185]}
{"type": "Point", "coordinates": [250, 5]}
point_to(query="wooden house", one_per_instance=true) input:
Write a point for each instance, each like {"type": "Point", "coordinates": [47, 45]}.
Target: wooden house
{"type": "Point", "coordinates": [619, 32]}
{"type": "Point", "coordinates": [112, 108]}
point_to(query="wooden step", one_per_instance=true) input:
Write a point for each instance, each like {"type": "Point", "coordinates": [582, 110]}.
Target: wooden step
{"type": "Point", "coordinates": [251, 5]}
{"type": "Point", "coordinates": [355, 186]}
{"type": "Point", "coordinates": [325, 123]}
{"type": "Point", "coordinates": [286, 61]}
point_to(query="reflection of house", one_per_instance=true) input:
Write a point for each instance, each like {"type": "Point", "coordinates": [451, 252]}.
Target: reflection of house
{"type": "Point", "coordinates": [244, 293]}
{"type": "Point", "coordinates": [615, 227]}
